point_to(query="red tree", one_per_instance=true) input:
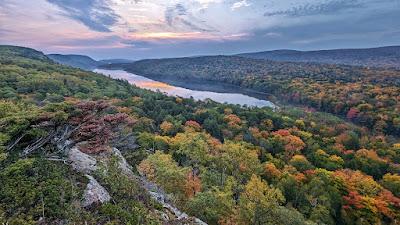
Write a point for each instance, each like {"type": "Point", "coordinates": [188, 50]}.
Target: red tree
{"type": "Point", "coordinates": [352, 113]}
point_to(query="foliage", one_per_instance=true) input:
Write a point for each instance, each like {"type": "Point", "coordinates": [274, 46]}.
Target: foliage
{"type": "Point", "coordinates": [366, 96]}
{"type": "Point", "coordinates": [35, 190]}
{"type": "Point", "coordinates": [225, 164]}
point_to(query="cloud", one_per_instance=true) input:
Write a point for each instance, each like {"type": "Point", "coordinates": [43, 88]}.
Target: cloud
{"type": "Point", "coordinates": [95, 14]}
{"type": "Point", "coordinates": [178, 16]}
{"type": "Point", "coordinates": [172, 13]}
{"type": "Point", "coordinates": [187, 27]}
{"type": "Point", "coordinates": [310, 9]}
{"type": "Point", "coordinates": [239, 4]}
{"type": "Point", "coordinates": [5, 31]}
{"type": "Point", "coordinates": [138, 44]}
{"type": "Point", "coordinates": [273, 35]}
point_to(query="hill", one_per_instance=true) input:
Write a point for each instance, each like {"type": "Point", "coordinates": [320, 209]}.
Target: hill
{"type": "Point", "coordinates": [387, 57]}
{"type": "Point", "coordinates": [77, 61]}
{"type": "Point", "coordinates": [8, 51]}
{"type": "Point", "coordinates": [83, 61]}
{"type": "Point", "coordinates": [77, 147]}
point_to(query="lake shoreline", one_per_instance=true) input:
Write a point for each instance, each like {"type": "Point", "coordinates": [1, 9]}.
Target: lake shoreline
{"type": "Point", "coordinates": [199, 84]}
{"type": "Point", "coordinates": [196, 88]}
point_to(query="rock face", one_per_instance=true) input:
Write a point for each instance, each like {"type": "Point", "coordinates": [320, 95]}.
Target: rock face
{"type": "Point", "coordinates": [94, 193]}
{"type": "Point", "coordinates": [81, 162]}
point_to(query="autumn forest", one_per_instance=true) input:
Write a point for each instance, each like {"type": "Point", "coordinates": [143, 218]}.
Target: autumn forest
{"type": "Point", "coordinates": [329, 154]}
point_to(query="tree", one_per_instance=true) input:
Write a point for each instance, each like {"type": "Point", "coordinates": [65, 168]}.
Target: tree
{"type": "Point", "coordinates": [193, 125]}
{"type": "Point", "coordinates": [350, 140]}
{"type": "Point", "coordinates": [271, 172]}
{"type": "Point", "coordinates": [301, 163]}
{"type": "Point", "coordinates": [192, 148]}
{"type": "Point", "coordinates": [356, 180]}
{"type": "Point", "coordinates": [257, 200]}
{"type": "Point", "coordinates": [163, 170]}
{"type": "Point", "coordinates": [238, 159]}
{"type": "Point", "coordinates": [261, 204]}
{"type": "Point", "coordinates": [166, 127]}
{"type": "Point", "coordinates": [192, 185]}
{"type": "Point", "coordinates": [369, 162]}
{"type": "Point", "coordinates": [352, 113]}
{"type": "Point", "coordinates": [95, 127]}
{"type": "Point", "coordinates": [392, 183]}
{"type": "Point", "coordinates": [213, 206]}
{"type": "Point", "coordinates": [293, 144]}
{"type": "Point", "coordinates": [330, 162]}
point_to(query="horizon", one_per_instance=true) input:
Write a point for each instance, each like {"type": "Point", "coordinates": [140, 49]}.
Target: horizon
{"type": "Point", "coordinates": [238, 53]}
{"type": "Point", "coordinates": [109, 29]}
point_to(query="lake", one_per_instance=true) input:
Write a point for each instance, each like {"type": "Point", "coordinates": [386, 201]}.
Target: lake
{"type": "Point", "coordinates": [218, 92]}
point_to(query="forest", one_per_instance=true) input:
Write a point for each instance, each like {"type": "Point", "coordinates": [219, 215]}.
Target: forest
{"type": "Point", "coordinates": [368, 97]}
{"type": "Point", "coordinates": [224, 164]}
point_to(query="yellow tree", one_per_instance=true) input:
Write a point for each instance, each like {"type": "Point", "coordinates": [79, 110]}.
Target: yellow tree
{"type": "Point", "coordinates": [239, 159]}
{"type": "Point", "coordinates": [163, 170]}
{"type": "Point", "coordinates": [257, 201]}
{"type": "Point", "coordinates": [166, 127]}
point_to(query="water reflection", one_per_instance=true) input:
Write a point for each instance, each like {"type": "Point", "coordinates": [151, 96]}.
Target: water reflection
{"type": "Point", "coordinates": [220, 96]}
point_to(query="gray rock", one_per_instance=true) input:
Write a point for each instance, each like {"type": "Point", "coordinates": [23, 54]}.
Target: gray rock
{"type": "Point", "coordinates": [80, 161]}
{"type": "Point", "coordinates": [161, 197]}
{"type": "Point", "coordinates": [94, 193]}
{"type": "Point", "coordinates": [123, 164]}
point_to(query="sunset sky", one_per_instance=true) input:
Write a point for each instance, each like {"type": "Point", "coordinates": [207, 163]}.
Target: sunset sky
{"type": "Point", "coordinates": [170, 28]}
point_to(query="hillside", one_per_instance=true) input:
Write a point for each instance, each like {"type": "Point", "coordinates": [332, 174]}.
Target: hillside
{"type": "Point", "coordinates": [78, 147]}
{"type": "Point", "coordinates": [84, 62]}
{"type": "Point", "coordinates": [77, 61]}
{"type": "Point", "coordinates": [368, 97]}
{"type": "Point", "coordinates": [15, 52]}
{"type": "Point", "coordinates": [386, 57]}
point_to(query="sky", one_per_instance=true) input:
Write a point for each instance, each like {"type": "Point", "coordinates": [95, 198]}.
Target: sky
{"type": "Point", "coordinates": [137, 29]}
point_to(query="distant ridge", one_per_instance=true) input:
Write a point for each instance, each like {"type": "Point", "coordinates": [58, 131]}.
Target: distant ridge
{"type": "Point", "coordinates": [83, 61]}
{"type": "Point", "coordinates": [386, 57]}
{"type": "Point", "coordinates": [78, 61]}
{"type": "Point", "coordinates": [17, 51]}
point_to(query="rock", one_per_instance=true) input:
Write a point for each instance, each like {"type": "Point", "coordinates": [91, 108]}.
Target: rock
{"type": "Point", "coordinates": [81, 162]}
{"type": "Point", "coordinates": [161, 197]}
{"type": "Point", "coordinates": [94, 193]}
{"type": "Point", "coordinates": [123, 164]}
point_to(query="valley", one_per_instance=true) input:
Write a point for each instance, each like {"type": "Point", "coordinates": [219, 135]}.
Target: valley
{"type": "Point", "coordinates": [365, 96]}
{"type": "Point", "coordinates": [199, 112]}
{"type": "Point", "coordinates": [133, 150]}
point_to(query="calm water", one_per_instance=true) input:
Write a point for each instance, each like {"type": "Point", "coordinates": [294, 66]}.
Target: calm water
{"type": "Point", "coordinates": [225, 94]}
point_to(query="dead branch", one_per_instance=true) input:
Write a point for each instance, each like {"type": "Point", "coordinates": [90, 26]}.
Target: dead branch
{"type": "Point", "coordinates": [10, 147]}
{"type": "Point", "coordinates": [39, 143]}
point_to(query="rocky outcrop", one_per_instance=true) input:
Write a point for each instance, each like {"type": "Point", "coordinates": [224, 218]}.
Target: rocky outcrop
{"type": "Point", "coordinates": [94, 193]}
{"type": "Point", "coordinates": [81, 162]}
{"type": "Point", "coordinates": [97, 194]}
{"type": "Point", "coordinates": [86, 164]}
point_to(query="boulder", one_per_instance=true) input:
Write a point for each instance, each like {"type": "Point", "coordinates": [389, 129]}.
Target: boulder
{"type": "Point", "coordinates": [80, 161]}
{"type": "Point", "coordinates": [94, 193]}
